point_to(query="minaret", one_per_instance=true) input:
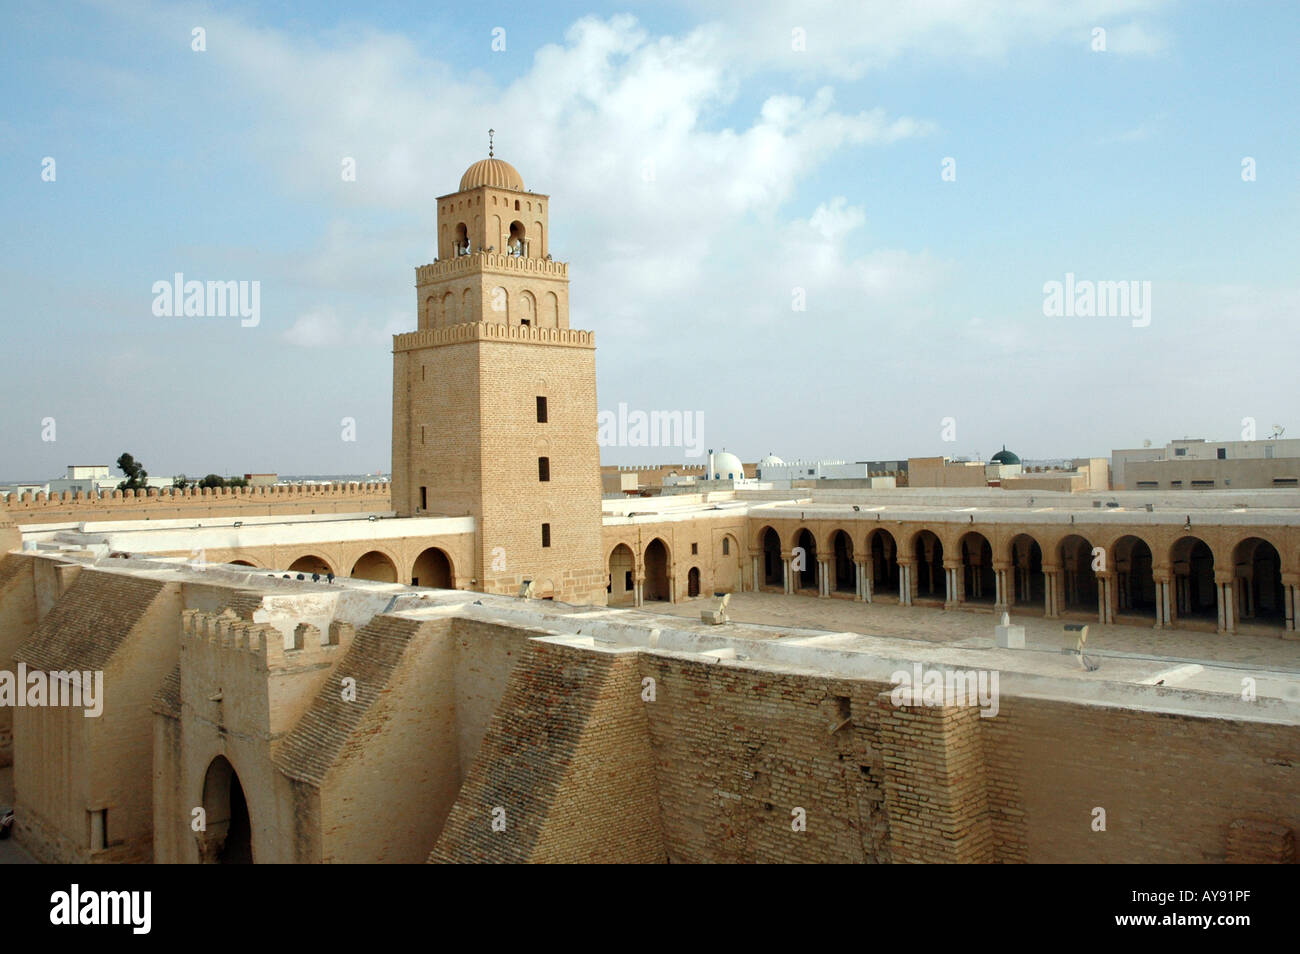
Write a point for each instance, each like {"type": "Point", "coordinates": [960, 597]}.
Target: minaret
{"type": "Point", "coordinates": [494, 396]}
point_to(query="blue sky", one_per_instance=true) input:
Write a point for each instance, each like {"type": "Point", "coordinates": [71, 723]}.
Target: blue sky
{"type": "Point", "coordinates": [774, 169]}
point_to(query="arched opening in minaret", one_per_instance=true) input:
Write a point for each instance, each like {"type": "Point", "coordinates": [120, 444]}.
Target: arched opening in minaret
{"type": "Point", "coordinates": [227, 836]}
{"type": "Point", "coordinates": [462, 238]}
{"type": "Point", "coordinates": [515, 244]}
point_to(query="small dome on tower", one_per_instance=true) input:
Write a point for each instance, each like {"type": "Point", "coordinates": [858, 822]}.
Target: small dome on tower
{"type": "Point", "coordinates": [492, 172]}
{"type": "Point", "coordinates": [1004, 456]}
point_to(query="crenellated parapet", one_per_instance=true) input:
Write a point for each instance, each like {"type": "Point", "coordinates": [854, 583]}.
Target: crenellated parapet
{"type": "Point", "coordinates": [483, 331]}
{"type": "Point", "coordinates": [489, 261]}
{"type": "Point", "coordinates": [227, 635]}
{"type": "Point", "coordinates": [175, 494]}
{"type": "Point", "coordinates": [196, 502]}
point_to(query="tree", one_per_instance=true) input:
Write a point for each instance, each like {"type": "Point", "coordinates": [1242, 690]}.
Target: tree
{"type": "Point", "coordinates": [180, 481]}
{"type": "Point", "coordinates": [137, 478]}
{"type": "Point", "coordinates": [213, 480]}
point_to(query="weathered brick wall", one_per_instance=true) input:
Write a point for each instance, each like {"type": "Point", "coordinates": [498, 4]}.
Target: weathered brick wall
{"type": "Point", "coordinates": [65, 764]}
{"type": "Point", "coordinates": [17, 621]}
{"type": "Point", "coordinates": [1171, 785]}
{"type": "Point", "coordinates": [565, 766]}
{"type": "Point", "coordinates": [736, 751]}
{"type": "Point", "coordinates": [936, 791]}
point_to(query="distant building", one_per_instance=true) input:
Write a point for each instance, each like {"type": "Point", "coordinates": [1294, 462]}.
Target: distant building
{"type": "Point", "coordinates": [1197, 464]}
{"type": "Point", "coordinates": [83, 478]}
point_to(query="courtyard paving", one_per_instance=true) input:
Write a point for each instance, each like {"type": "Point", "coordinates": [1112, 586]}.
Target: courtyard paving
{"type": "Point", "coordinates": [1260, 648]}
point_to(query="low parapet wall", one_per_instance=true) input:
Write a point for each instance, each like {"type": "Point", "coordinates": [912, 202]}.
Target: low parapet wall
{"type": "Point", "coordinates": [156, 504]}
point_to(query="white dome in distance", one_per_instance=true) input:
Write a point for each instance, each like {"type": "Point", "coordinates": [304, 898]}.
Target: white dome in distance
{"type": "Point", "coordinates": [771, 460]}
{"type": "Point", "coordinates": [727, 467]}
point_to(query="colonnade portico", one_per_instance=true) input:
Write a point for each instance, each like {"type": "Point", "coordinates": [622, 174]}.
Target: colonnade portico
{"type": "Point", "coordinates": [1112, 574]}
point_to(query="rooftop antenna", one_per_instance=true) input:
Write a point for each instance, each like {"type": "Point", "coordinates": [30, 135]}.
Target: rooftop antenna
{"type": "Point", "coordinates": [491, 133]}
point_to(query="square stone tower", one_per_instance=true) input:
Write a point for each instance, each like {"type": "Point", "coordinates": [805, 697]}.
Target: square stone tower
{"type": "Point", "coordinates": [494, 396]}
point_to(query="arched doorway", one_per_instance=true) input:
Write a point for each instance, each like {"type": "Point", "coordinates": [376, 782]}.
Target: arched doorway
{"type": "Point", "coordinates": [1195, 593]}
{"type": "Point", "coordinates": [979, 582]}
{"type": "Point", "coordinates": [227, 837]}
{"type": "Point", "coordinates": [310, 564]}
{"type": "Point", "coordinates": [1135, 580]}
{"type": "Point", "coordinates": [1078, 579]}
{"type": "Point", "coordinates": [693, 582]}
{"type": "Point", "coordinates": [1259, 582]}
{"type": "Point", "coordinates": [846, 577]}
{"type": "Point", "coordinates": [374, 566]}
{"type": "Point", "coordinates": [622, 586]}
{"type": "Point", "coordinates": [928, 553]}
{"type": "Point", "coordinates": [432, 568]}
{"type": "Point", "coordinates": [773, 570]}
{"type": "Point", "coordinates": [656, 572]}
{"type": "Point", "coordinates": [1029, 588]}
{"type": "Point", "coordinates": [806, 577]}
{"type": "Point", "coordinates": [884, 563]}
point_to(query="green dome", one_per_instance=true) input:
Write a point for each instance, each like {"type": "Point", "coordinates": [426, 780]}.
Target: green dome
{"type": "Point", "coordinates": [1005, 456]}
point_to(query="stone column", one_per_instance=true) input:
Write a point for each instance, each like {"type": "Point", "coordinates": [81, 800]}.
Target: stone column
{"type": "Point", "coordinates": [1223, 592]}
{"type": "Point", "coordinates": [905, 583]}
{"type": "Point", "coordinates": [1052, 590]}
{"type": "Point", "coordinates": [1106, 597]}
{"type": "Point", "coordinates": [757, 579]}
{"type": "Point", "coordinates": [1246, 587]}
{"type": "Point", "coordinates": [951, 596]}
{"type": "Point", "coordinates": [787, 577]}
{"type": "Point", "coordinates": [1289, 581]}
{"type": "Point", "coordinates": [1164, 614]}
{"type": "Point", "coordinates": [1003, 597]}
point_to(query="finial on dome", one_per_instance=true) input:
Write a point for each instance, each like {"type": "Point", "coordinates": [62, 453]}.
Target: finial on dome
{"type": "Point", "coordinates": [491, 133]}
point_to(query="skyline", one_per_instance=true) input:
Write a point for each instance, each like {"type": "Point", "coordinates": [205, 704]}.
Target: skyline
{"type": "Point", "coordinates": [705, 173]}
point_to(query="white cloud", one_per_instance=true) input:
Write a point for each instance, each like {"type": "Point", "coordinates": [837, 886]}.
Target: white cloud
{"type": "Point", "coordinates": [323, 328]}
{"type": "Point", "coordinates": [847, 41]}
